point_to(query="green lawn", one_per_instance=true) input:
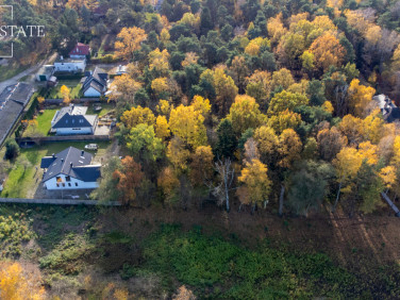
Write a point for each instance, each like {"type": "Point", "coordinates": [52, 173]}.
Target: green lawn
{"type": "Point", "coordinates": [106, 107]}
{"type": "Point", "coordinates": [44, 120]}
{"type": "Point", "coordinates": [21, 179]}
{"type": "Point", "coordinates": [73, 84]}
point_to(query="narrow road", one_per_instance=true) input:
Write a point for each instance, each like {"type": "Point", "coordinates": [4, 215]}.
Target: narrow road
{"type": "Point", "coordinates": [31, 70]}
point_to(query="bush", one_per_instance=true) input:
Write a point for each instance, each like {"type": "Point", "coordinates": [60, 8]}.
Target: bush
{"type": "Point", "coordinates": [12, 149]}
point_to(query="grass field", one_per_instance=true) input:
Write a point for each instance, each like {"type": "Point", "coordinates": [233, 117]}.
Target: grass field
{"type": "Point", "coordinates": [74, 85]}
{"type": "Point", "coordinates": [87, 249]}
{"type": "Point", "coordinates": [44, 120]}
{"type": "Point", "coordinates": [106, 107]}
{"type": "Point", "coordinates": [7, 72]}
{"type": "Point", "coordinates": [24, 177]}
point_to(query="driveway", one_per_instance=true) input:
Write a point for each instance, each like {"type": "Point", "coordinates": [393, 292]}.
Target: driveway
{"type": "Point", "coordinates": [31, 70]}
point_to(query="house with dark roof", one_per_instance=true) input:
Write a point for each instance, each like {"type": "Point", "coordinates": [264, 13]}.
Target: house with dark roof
{"type": "Point", "coordinates": [80, 51]}
{"type": "Point", "coordinates": [70, 169]}
{"type": "Point", "coordinates": [94, 84]}
{"type": "Point", "coordinates": [73, 120]}
{"type": "Point", "coordinates": [389, 110]}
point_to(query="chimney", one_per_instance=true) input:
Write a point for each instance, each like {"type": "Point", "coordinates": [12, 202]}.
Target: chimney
{"type": "Point", "coordinates": [82, 153]}
{"type": "Point", "coordinates": [54, 156]}
{"type": "Point", "coordinates": [62, 159]}
{"type": "Point", "coordinates": [70, 164]}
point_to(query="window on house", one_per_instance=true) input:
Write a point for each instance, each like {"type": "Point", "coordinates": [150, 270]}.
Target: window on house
{"type": "Point", "coordinates": [58, 185]}
{"type": "Point", "coordinates": [69, 183]}
{"type": "Point", "coordinates": [76, 184]}
{"type": "Point", "coordinates": [59, 179]}
{"type": "Point", "coordinates": [63, 184]}
{"type": "Point", "coordinates": [68, 178]}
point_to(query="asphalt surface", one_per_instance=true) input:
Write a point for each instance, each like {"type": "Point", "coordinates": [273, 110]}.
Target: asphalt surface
{"type": "Point", "coordinates": [29, 71]}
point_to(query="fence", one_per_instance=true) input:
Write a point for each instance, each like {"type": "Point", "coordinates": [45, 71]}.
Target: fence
{"type": "Point", "coordinates": [79, 100]}
{"type": "Point", "coordinates": [61, 138]}
{"type": "Point", "coordinates": [58, 201]}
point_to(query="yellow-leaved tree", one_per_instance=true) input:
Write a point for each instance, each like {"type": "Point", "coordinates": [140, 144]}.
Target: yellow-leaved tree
{"type": "Point", "coordinates": [66, 94]}
{"type": "Point", "coordinates": [359, 97]}
{"type": "Point", "coordinates": [16, 284]}
{"type": "Point", "coordinates": [347, 163]}
{"type": "Point", "coordinates": [244, 113]}
{"type": "Point", "coordinates": [186, 123]}
{"type": "Point", "coordinates": [129, 40]}
{"type": "Point", "coordinates": [124, 88]}
{"type": "Point", "coordinates": [256, 183]}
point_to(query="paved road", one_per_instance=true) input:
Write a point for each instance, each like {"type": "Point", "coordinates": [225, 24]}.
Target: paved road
{"type": "Point", "coordinates": [28, 71]}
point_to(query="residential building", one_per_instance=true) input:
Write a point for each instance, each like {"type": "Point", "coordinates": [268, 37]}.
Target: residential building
{"type": "Point", "coordinates": [80, 51]}
{"type": "Point", "coordinates": [73, 120]}
{"type": "Point", "coordinates": [119, 70]}
{"type": "Point", "coordinates": [70, 169]}
{"type": "Point", "coordinates": [389, 110]}
{"type": "Point", "coordinates": [94, 84]}
{"type": "Point", "coordinates": [70, 65]}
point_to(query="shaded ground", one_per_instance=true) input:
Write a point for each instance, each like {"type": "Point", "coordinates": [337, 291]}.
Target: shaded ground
{"type": "Point", "coordinates": [81, 250]}
{"type": "Point", "coordinates": [372, 237]}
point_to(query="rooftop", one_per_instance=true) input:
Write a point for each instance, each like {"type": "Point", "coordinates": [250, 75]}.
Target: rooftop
{"type": "Point", "coordinates": [71, 162]}
{"type": "Point", "coordinates": [62, 59]}
{"type": "Point", "coordinates": [46, 70]}
{"type": "Point", "coordinates": [73, 116]}
{"type": "Point", "coordinates": [12, 101]}
{"type": "Point", "coordinates": [80, 49]}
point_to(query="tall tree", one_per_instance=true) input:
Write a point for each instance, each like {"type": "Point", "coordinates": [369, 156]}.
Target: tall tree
{"type": "Point", "coordinates": [308, 186]}
{"type": "Point", "coordinates": [129, 177]}
{"type": "Point", "coordinates": [227, 140]}
{"type": "Point", "coordinates": [244, 114]}
{"type": "Point", "coordinates": [256, 182]}
{"type": "Point", "coordinates": [129, 41]}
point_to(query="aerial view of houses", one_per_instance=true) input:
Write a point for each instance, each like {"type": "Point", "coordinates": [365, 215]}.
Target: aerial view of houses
{"type": "Point", "coordinates": [208, 149]}
{"type": "Point", "coordinates": [73, 120]}
{"type": "Point", "coordinates": [70, 169]}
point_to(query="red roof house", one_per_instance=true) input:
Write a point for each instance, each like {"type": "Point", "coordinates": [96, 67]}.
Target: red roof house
{"type": "Point", "coordinates": [80, 51]}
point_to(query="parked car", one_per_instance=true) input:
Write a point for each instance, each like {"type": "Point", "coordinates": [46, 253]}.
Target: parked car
{"type": "Point", "coordinates": [91, 147]}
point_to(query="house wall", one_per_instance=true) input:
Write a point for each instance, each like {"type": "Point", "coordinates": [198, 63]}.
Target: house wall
{"type": "Point", "coordinates": [76, 56]}
{"type": "Point", "coordinates": [70, 66]}
{"type": "Point", "coordinates": [76, 184]}
{"type": "Point", "coordinates": [74, 130]}
{"type": "Point", "coordinates": [91, 92]}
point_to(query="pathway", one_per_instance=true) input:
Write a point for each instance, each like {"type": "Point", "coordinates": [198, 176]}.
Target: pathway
{"type": "Point", "coordinates": [31, 70]}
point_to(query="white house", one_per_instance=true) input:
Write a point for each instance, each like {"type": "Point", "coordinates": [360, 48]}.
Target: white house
{"type": "Point", "coordinates": [70, 169]}
{"type": "Point", "coordinates": [95, 83]}
{"type": "Point", "coordinates": [73, 120]}
{"type": "Point", "coordinates": [71, 65]}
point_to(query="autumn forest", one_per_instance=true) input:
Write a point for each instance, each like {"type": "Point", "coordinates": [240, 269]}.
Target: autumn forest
{"type": "Point", "coordinates": [258, 141]}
